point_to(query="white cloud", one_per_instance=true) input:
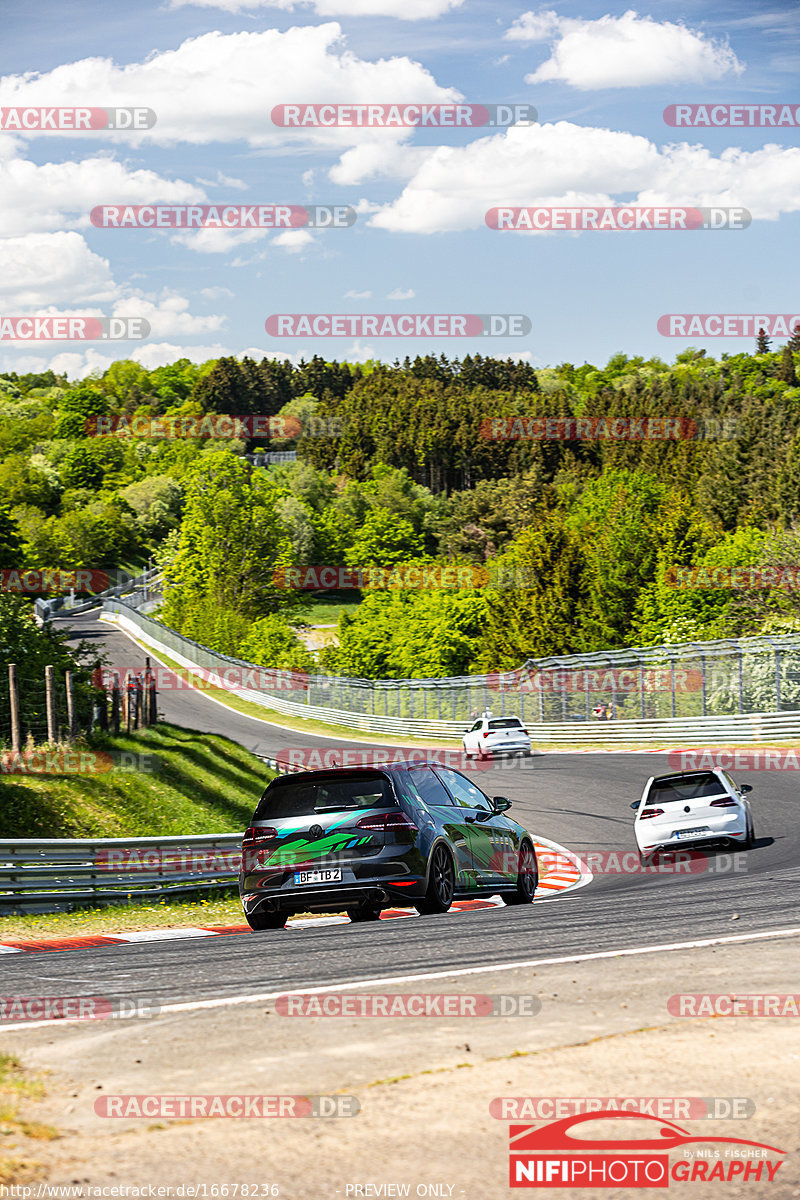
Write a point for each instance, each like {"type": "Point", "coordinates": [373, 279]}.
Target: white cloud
{"type": "Point", "coordinates": [52, 269]}
{"type": "Point", "coordinates": [626, 51]}
{"type": "Point", "coordinates": [49, 196]}
{"type": "Point", "coordinates": [400, 294]}
{"type": "Point", "coordinates": [217, 241]}
{"type": "Point", "coordinates": [168, 314]}
{"type": "Point", "coordinates": [226, 181]}
{"type": "Point", "coordinates": [377, 160]}
{"type": "Point", "coordinates": [352, 295]}
{"type": "Point", "coordinates": [293, 240]}
{"type": "Point", "coordinates": [251, 73]}
{"type": "Point", "coordinates": [216, 293]}
{"type": "Point", "coordinates": [405, 10]}
{"type": "Point", "coordinates": [575, 164]}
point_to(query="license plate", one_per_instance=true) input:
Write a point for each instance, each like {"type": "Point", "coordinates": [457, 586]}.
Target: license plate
{"type": "Point", "coordinates": [326, 875]}
{"type": "Point", "coordinates": [692, 832]}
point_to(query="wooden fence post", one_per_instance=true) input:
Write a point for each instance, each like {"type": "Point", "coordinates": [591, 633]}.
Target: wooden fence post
{"type": "Point", "coordinates": [115, 699]}
{"type": "Point", "coordinates": [13, 696]}
{"type": "Point", "coordinates": [70, 705]}
{"type": "Point", "coordinates": [50, 699]}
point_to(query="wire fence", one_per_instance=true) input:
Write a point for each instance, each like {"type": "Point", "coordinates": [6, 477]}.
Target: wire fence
{"type": "Point", "coordinates": [690, 680]}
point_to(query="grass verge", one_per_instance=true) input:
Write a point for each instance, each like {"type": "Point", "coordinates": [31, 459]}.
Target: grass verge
{"type": "Point", "coordinates": [16, 1086]}
{"type": "Point", "coordinates": [190, 783]}
{"type": "Point", "coordinates": [221, 907]}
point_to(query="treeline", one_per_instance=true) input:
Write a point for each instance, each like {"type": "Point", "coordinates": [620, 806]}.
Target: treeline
{"type": "Point", "coordinates": [592, 526]}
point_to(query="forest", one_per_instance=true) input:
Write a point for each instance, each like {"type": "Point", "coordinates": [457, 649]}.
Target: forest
{"type": "Point", "coordinates": [582, 490]}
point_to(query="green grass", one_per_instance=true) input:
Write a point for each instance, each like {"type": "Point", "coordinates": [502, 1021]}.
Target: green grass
{"type": "Point", "coordinates": [222, 907]}
{"type": "Point", "coordinates": [203, 783]}
{"type": "Point", "coordinates": [327, 612]}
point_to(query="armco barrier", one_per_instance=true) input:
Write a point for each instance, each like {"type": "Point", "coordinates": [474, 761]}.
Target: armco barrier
{"type": "Point", "coordinates": [49, 874]}
{"type": "Point", "coordinates": [44, 875]}
{"type": "Point", "coordinates": [466, 697]}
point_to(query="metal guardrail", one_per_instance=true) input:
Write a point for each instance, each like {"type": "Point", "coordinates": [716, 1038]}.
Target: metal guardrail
{"type": "Point", "coordinates": [136, 589]}
{"type": "Point", "coordinates": [54, 874]}
{"type": "Point", "coordinates": [45, 875]}
{"type": "Point", "coordinates": [660, 731]}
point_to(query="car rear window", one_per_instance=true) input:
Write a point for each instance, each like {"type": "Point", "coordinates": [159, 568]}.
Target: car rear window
{"type": "Point", "coordinates": [685, 787]}
{"type": "Point", "coordinates": [506, 723]}
{"type": "Point", "coordinates": [298, 797]}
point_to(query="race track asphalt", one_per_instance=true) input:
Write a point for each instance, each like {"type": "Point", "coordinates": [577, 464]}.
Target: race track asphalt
{"type": "Point", "coordinates": [581, 801]}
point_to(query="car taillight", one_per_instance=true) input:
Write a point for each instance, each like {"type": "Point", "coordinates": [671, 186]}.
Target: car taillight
{"type": "Point", "coordinates": [390, 822]}
{"type": "Point", "coordinates": [485, 733]}
{"type": "Point", "coordinates": [726, 803]}
{"type": "Point", "coordinates": [650, 812]}
{"type": "Point", "coordinates": [252, 836]}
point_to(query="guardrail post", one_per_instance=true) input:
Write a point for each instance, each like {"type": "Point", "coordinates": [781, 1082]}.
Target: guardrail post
{"type": "Point", "coordinates": [70, 705]}
{"type": "Point", "coordinates": [741, 681]}
{"type": "Point", "coordinates": [703, 681]}
{"type": "Point", "coordinates": [13, 699]}
{"type": "Point", "coordinates": [50, 701]}
{"type": "Point", "coordinates": [777, 681]}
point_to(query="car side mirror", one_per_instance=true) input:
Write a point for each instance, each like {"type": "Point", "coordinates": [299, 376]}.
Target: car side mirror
{"type": "Point", "coordinates": [636, 804]}
{"type": "Point", "coordinates": [501, 803]}
{"type": "Point", "coordinates": [746, 787]}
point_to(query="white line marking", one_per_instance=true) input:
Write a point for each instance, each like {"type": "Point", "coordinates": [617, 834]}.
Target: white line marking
{"type": "Point", "coordinates": [161, 935]}
{"type": "Point", "coordinates": [261, 997]}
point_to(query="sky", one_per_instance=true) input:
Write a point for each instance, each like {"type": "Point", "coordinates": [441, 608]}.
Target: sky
{"type": "Point", "coordinates": [212, 71]}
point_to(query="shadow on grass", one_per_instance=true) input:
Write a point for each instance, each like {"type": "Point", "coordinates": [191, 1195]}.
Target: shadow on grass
{"type": "Point", "coordinates": [207, 795]}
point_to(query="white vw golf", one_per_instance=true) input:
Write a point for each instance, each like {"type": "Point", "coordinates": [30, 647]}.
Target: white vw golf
{"type": "Point", "coordinates": [496, 735]}
{"type": "Point", "coordinates": [692, 808]}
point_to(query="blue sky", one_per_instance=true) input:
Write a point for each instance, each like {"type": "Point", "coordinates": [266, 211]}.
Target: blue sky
{"type": "Point", "coordinates": [599, 76]}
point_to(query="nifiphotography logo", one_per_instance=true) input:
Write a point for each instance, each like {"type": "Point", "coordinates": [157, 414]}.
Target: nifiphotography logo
{"type": "Point", "coordinates": [563, 1154]}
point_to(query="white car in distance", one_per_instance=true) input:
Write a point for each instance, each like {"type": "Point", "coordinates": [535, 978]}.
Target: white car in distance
{"type": "Point", "coordinates": [496, 735]}
{"type": "Point", "coordinates": [692, 808]}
